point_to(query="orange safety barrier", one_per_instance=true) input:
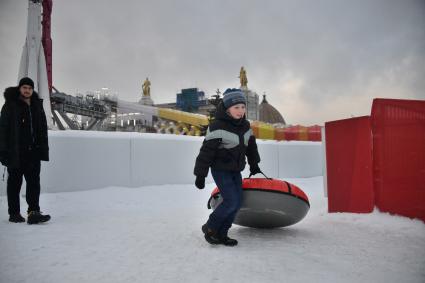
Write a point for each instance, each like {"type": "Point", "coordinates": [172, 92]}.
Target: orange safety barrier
{"type": "Point", "coordinates": [254, 127]}
{"type": "Point", "coordinates": [303, 134]}
{"type": "Point", "coordinates": [279, 134]}
{"type": "Point", "coordinates": [398, 128]}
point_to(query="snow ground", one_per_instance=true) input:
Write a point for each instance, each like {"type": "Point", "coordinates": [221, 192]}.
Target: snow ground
{"type": "Point", "coordinates": [152, 234]}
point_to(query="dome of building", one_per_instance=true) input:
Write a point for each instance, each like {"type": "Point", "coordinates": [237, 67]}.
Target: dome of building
{"type": "Point", "coordinates": [269, 114]}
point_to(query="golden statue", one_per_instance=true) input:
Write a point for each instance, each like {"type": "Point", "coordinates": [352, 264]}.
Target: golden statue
{"type": "Point", "coordinates": [243, 78]}
{"type": "Point", "coordinates": [146, 87]}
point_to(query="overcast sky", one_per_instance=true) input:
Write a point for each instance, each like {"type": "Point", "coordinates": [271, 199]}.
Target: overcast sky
{"type": "Point", "coordinates": [316, 60]}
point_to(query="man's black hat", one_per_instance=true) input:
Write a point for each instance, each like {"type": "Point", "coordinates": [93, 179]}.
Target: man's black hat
{"type": "Point", "coordinates": [26, 81]}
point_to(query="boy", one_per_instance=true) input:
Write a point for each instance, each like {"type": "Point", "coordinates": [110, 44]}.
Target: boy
{"type": "Point", "coordinates": [229, 138]}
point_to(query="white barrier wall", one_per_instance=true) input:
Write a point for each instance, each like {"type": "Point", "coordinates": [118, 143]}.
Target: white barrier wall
{"type": "Point", "coordinates": [83, 160]}
{"type": "Point", "coordinates": [163, 159]}
{"type": "Point", "coordinates": [86, 160]}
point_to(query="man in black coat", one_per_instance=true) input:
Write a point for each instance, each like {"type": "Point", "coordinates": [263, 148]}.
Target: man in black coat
{"type": "Point", "coordinates": [23, 144]}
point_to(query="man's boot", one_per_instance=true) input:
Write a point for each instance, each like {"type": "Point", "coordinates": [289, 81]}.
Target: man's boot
{"type": "Point", "coordinates": [35, 217]}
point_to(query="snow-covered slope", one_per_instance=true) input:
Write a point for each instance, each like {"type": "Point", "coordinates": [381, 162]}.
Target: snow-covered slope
{"type": "Point", "coordinates": [152, 234]}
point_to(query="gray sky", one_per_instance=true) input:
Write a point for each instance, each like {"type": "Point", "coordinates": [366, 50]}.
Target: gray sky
{"type": "Point", "coordinates": [316, 60]}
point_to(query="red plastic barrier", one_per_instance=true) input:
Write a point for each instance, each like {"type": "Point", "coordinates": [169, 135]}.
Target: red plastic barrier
{"type": "Point", "coordinates": [349, 165]}
{"type": "Point", "coordinates": [296, 133]}
{"type": "Point", "coordinates": [291, 134]}
{"type": "Point", "coordinates": [399, 156]}
{"type": "Point", "coordinates": [314, 133]}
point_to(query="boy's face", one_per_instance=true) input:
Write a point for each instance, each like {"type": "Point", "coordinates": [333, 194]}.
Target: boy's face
{"type": "Point", "coordinates": [26, 91]}
{"type": "Point", "coordinates": [237, 111]}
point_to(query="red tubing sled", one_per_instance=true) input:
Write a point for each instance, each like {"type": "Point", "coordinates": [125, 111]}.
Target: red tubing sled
{"type": "Point", "coordinates": [267, 203]}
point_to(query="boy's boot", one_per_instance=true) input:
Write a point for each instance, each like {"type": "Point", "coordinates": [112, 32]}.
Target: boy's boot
{"type": "Point", "coordinates": [35, 217]}
{"type": "Point", "coordinates": [225, 240]}
{"type": "Point", "coordinates": [16, 218]}
{"type": "Point", "coordinates": [210, 235]}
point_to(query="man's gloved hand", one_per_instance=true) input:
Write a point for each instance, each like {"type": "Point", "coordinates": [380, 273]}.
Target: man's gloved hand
{"type": "Point", "coordinates": [254, 169]}
{"type": "Point", "coordinates": [200, 182]}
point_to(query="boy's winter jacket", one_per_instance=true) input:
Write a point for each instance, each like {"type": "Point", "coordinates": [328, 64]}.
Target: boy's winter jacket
{"type": "Point", "coordinates": [226, 143]}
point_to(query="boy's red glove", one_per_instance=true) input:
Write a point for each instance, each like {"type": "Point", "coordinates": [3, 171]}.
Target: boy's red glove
{"type": "Point", "coordinates": [200, 182]}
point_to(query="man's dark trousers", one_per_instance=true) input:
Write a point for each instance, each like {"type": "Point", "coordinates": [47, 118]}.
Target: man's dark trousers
{"type": "Point", "coordinates": [30, 169]}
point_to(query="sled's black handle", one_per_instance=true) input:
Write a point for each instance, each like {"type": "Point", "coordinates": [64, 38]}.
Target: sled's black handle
{"type": "Point", "coordinates": [250, 174]}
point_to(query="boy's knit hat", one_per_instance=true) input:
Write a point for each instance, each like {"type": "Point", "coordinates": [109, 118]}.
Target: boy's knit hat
{"type": "Point", "coordinates": [233, 96]}
{"type": "Point", "coordinates": [26, 81]}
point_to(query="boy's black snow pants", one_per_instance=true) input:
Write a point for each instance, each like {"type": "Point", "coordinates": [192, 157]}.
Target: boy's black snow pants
{"type": "Point", "coordinates": [230, 185]}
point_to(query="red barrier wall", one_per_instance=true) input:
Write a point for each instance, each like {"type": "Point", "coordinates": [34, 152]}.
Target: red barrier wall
{"type": "Point", "coordinates": [349, 165]}
{"type": "Point", "coordinates": [291, 134]}
{"type": "Point", "coordinates": [399, 156]}
{"type": "Point", "coordinates": [296, 133]}
{"type": "Point", "coordinates": [314, 133]}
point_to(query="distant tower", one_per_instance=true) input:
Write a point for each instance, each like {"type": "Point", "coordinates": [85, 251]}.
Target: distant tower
{"type": "Point", "coordinates": [146, 96]}
{"type": "Point", "coordinates": [46, 39]}
{"type": "Point", "coordinates": [33, 61]}
{"type": "Point", "coordinates": [252, 98]}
